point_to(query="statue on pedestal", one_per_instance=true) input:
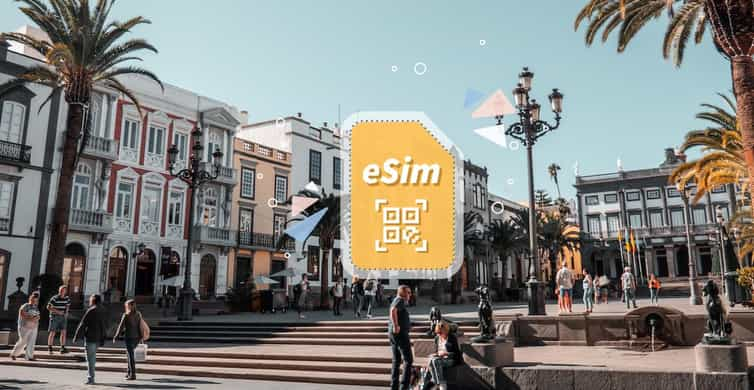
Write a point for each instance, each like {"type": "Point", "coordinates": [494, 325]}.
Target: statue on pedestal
{"type": "Point", "coordinates": [435, 316]}
{"type": "Point", "coordinates": [718, 328]}
{"type": "Point", "coordinates": [486, 323]}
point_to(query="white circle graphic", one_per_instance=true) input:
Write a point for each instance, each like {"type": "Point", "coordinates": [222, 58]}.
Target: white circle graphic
{"type": "Point", "coordinates": [420, 68]}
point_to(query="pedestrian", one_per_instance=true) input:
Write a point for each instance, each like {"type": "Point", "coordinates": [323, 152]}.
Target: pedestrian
{"type": "Point", "coordinates": [337, 290]}
{"type": "Point", "coordinates": [399, 326]}
{"type": "Point", "coordinates": [370, 292]}
{"type": "Point", "coordinates": [587, 285]}
{"type": "Point", "coordinates": [564, 280]}
{"type": "Point", "coordinates": [92, 327]}
{"type": "Point", "coordinates": [604, 288]}
{"type": "Point", "coordinates": [357, 294]}
{"type": "Point", "coordinates": [596, 288]}
{"type": "Point", "coordinates": [380, 294]}
{"type": "Point", "coordinates": [130, 325]}
{"type": "Point", "coordinates": [58, 308]}
{"type": "Point", "coordinates": [447, 354]}
{"type": "Point", "coordinates": [28, 325]}
{"type": "Point", "coordinates": [654, 289]}
{"type": "Point", "coordinates": [304, 284]}
{"type": "Point", "coordinates": [628, 284]}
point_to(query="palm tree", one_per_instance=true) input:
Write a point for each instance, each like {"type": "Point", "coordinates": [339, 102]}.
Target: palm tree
{"type": "Point", "coordinates": [558, 236]}
{"type": "Point", "coordinates": [732, 25]}
{"type": "Point", "coordinates": [506, 240]}
{"type": "Point", "coordinates": [553, 170]}
{"type": "Point", "coordinates": [722, 161]}
{"type": "Point", "coordinates": [83, 49]}
{"type": "Point", "coordinates": [327, 230]}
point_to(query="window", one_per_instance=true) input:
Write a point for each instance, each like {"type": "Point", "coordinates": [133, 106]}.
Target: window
{"type": "Point", "coordinates": [593, 222]}
{"type": "Point", "coordinates": [213, 144]}
{"type": "Point", "coordinates": [677, 217]}
{"type": "Point", "coordinates": [80, 198]}
{"type": "Point", "coordinates": [315, 166]}
{"type": "Point", "coordinates": [95, 115]}
{"type": "Point", "coordinates": [312, 262]}
{"type": "Point", "coordinates": [129, 138]}
{"type": "Point", "coordinates": [655, 218]}
{"type": "Point", "coordinates": [209, 211]}
{"type": "Point", "coordinates": [718, 189]}
{"type": "Point", "coordinates": [6, 204]}
{"type": "Point", "coordinates": [247, 183]}
{"type": "Point", "coordinates": [278, 227]}
{"type": "Point", "coordinates": [724, 208]}
{"type": "Point", "coordinates": [653, 194]}
{"type": "Point", "coordinates": [12, 122]}
{"type": "Point", "coordinates": [156, 140]}
{"type": "Point", "coordinates": [281, 188]}
{"type": "Point", "coordinates": [150, 204]}
{"type": "Point", "coordinates": [246, 221]}
{"type": "Point", "coordinates": [673, 192]}
{"type": "Point", "coordinates": [124, 200]}
{"type": "Point", "coordinates": [592, 200]}
{"type": "Point", "coordinates": [613, 223]}
{"type": "Point", "coordinates": [699, 216]}
{"type": "Point", "coordinates": [175, 208]}
{"type": "Point", "coordinates": [611, 198]}
{"type": "Point", "coordinates": [181, 141]}
{"type": "Point", "coordinates": [483, 196]}
{"type": "Point", "coordinates": [475, 191]}
{"type": "Point", "coordinates": [336, 172]}
{"type": "Point", "coordinates": [247, 147]}
{"type": "Point", "coordinates": [634, 219]}
{"type": "Point", "coordinates": [632, 196]}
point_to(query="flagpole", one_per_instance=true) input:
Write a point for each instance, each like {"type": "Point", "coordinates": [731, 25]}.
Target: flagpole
{"type": "Point", "coordinates": [620, 248]}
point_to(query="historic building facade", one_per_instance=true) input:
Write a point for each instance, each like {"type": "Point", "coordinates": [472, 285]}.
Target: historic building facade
{"type": "Point", "coordinates": [478, 259]}
{"type": "Point", "coordinates": [513, 268]}
{"type": "Point", "coordinates": [259, 212]}
{"type": "Point", "coordinates": [645, 202]}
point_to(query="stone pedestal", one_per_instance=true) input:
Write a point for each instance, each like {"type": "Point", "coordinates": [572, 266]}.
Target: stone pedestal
{"type": "Point", "coordinates": [497, 353]}
{"type": "Point", "coordinates": [572, 329]}
{"type": "Point", "coordinates": [721, 358]}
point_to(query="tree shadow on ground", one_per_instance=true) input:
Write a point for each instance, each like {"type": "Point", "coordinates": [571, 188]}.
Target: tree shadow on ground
{"type": "Point", "coordinates": [15, 384]}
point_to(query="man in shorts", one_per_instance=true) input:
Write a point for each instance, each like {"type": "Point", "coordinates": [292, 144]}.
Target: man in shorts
{"type": "Point", "coordinates": [58, 308]}
{"type": "Point", "coordinates": [564, 279]}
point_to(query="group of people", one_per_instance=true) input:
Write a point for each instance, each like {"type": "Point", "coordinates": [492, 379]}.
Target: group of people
{"type": "Point", "coordinates": [92, 329]}
{"type": "Point", "coordinates": [596, 289]}
{"type": "Point", "coordinates": [366, 295]}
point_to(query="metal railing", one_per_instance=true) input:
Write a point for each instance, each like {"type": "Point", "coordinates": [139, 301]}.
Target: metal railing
{"type": "Point", "coordinates": [11, 151]}
{"type": "Point", "coordinates": [91, 220]}
{"type": "Point", "coordinates": [262, 240]}
{"type": "Point", "coordinates": [659, 231]}
{"type": "Point", "coordinates": [225, 174]}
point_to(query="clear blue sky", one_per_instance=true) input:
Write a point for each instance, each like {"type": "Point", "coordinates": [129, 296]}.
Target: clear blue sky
{"type": "Point", "coordinates": [276, 58]}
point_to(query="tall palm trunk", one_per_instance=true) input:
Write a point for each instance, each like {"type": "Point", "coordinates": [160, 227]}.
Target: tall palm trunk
{"type": "Point", "coordinates": [324, 300]}
{"type": "Point", "coordinates": [742, 68]}
{"type": "Point", "coordinates": [59, 228]}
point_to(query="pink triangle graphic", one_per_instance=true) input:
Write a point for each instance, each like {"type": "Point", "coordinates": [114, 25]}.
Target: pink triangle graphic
{"type": "Point", "coordinates": [495, 105]}
{"type": "Point", "coordinates": [300, 203]}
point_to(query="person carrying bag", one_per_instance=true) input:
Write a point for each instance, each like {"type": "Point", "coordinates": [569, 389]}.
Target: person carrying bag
{"type": "Point", "coordinates": [136, 331]}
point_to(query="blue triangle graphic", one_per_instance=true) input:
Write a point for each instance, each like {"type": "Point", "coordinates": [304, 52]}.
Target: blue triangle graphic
{"type": "Point", "coordinates": [302, 230]}
{"type": "Point", "coordinates": [472, 98]}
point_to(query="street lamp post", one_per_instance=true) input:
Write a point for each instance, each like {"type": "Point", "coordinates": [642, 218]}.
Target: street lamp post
{"type": "Point", "coordinates": [195, 177]}
{"type": "Point", "coordinates": [721, 236]}
{"type": "Point", "coordinates": [528, 130]}
{"type": "Point", "coordinates": [694, 297]}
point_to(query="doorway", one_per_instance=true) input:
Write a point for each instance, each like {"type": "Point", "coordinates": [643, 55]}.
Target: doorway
{"type": "Point", "coordinates": [145, 267]}
{"type": "Point", "coordinates": [243, 271]}
{"type": "Point", "coordinates": [662, 263]}
{"type": "Point", "coordinates": [207, 272]}
{"type": "Point", "coordinates": [116, 273]}
{"type": "Point", "coordinates": [682, 261]}
{"type": "Point", "coordinates": [74, 266]}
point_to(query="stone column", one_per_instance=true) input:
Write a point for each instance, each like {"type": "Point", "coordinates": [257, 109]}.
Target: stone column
{"type": "Point", "coordinates": [649, 261]}
{"type": "Point", "coordinates": [131, 271]}
{"type": "Point", "coordinates": [670, 254]}
{"type": "Point", "coordinates": [93, 270]}
{"type": "Point", "coordinates": [196, 260]}
{"type": "Point", "coordinates": [221, 279]}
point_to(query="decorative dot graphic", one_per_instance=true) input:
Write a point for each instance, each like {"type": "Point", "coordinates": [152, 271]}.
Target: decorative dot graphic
{"type": "Point", "coordinates": [287, 255]}
{"type": "Point", "coordinates": [272, 203]}
{"type": "Point", "coordinates": [482, 42]}
{"type": "Point", "coordinates": [394, 68]}
{"type": "Point", "coordinates": [514, 145]}
{"type": "Point", "coordinates": [510, 181]}
{"type": "Point", "coordinates": [420, 68]}
{"type": "Point", "coordinates": [260, 176]}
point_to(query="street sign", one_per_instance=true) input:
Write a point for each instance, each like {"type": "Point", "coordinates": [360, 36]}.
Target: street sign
{"type": "Point", "coordinates": [403, 197]}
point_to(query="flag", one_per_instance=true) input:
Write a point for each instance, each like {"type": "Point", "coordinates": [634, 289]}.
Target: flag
{"type": "Point", "coordinates": [633, 242]}
{"type": "Point", "coordinates": [628, 243]}
{"type": "Point", "coordinates": [620, 237]}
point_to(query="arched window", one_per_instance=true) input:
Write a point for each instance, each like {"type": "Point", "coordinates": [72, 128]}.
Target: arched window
{"type": "Point", "coordinates": [82, 189]}
{"type": "Point", "coordinates": [209, 212]}
{"type": "Point", "coordinates": [12, 120]}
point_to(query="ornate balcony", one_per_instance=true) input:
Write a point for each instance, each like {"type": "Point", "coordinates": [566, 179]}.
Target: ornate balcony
{"type": "Point", "coordinates": [15, 153]}
{"type": "Point", "coordinates": [227, 175]}
{"type": "Point", "coordinates": [262, 241]}
{"type": "Point", "coordinates": [209, 235]}
{"type": "Point", "coordinates": [100, 147]}
{"type": "Point", "coordinates": [659, 232]}
{"type": "Point", "coordinates": [94, 221]}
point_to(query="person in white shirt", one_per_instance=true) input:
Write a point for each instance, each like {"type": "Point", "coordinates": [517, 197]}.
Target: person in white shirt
{"type": "Point", "coordinates": [564, 280]}
{"type": "Point", "coordinates": [370, 292]}
{"type": "Point", "coordinates": [337, 293]}
{"type": "Point", "coordinates": [628, 283]}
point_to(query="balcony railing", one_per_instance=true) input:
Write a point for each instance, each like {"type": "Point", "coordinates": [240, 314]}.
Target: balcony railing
{"type": "Point", "coordinates": [10, 151]}
{"type": "Point", "coordinates": [661, 231]}
{"type": "Point", "coordinates": [226, 174]}
{"type": "Point", "coordinates": [262, 240]}
{"type": "Point", "coordinates": [101, 147]}
{"type": "Point", "coordinates": [95, 221]}
{"type": "Point", "coordinates": [214, 236]}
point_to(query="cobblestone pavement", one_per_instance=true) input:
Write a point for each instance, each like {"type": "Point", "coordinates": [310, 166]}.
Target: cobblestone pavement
{"type": "Point", "coordinates": [28, 378]}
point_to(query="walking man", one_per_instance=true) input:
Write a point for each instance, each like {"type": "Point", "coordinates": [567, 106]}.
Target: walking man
{"type": "Point", "coordinates": [28, 324]}
{"type": "Point", "coordinates": [93, 328]}
{"type": "Point", "coordinates": [370, 293]}
{"type": "Point", "coordinates": [628, 283]}
{"type": "Point", "coordinates": [337, 293]}
{"type": "Point", "coordinates": [564, 279]}
{"type": "Point", "coordinates": [58, 308]}
{"type": "Point", "coordinates": [400, 343]}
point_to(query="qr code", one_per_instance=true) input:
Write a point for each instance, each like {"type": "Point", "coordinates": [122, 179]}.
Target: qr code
{"type": "Point", "coordinates": [400, 225]}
